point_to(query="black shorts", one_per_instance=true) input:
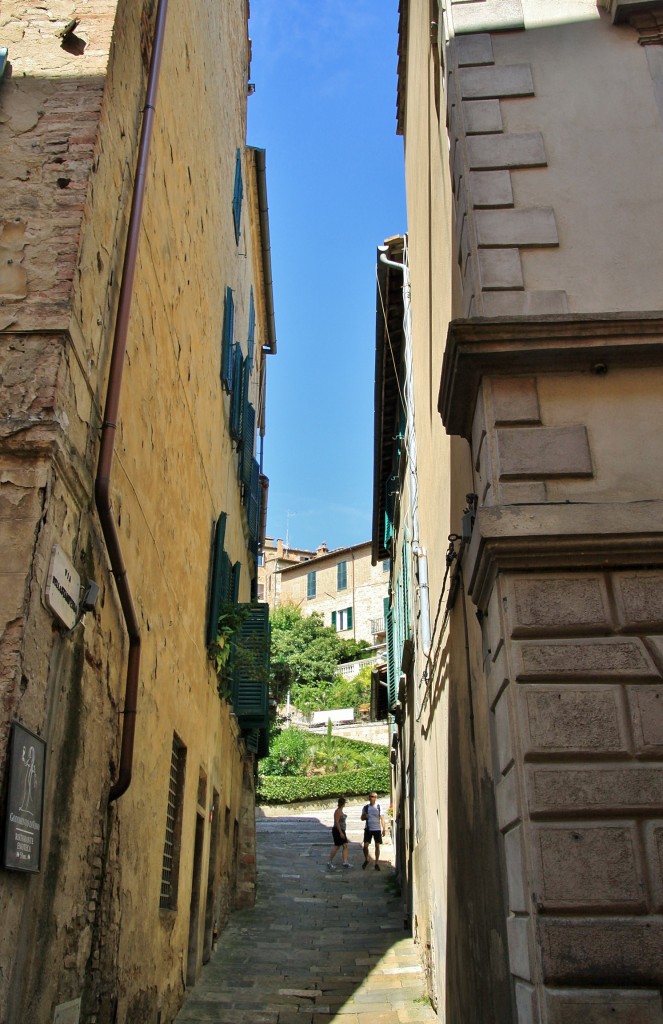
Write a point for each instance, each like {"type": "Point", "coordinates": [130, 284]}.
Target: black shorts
{"type": "Point", "coordinates": [376, 836]}
{"type": "Point", "coordinates": [338, 837]}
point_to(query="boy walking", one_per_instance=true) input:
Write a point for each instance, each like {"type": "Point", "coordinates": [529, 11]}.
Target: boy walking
{"type": "Point", "coordinates": [374, 828]}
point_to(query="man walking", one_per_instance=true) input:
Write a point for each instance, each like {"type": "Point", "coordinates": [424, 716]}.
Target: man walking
{"type": "Point", "coordinates": [374, 828]}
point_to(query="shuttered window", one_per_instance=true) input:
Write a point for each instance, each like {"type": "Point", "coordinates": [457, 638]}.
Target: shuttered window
{"type": "Point", "coordinates": [250, 684]}
{"type": "Point", "coordinates": [238, 192]}
{"type": "Point", "coordinates": [227, 340]}
{"type": "Point", "coordinates": [217, 584]}
{"type": "Point", "coordinates": [341, 620]}
{"type": "Point", "coordinates": [391, 491]}
{"type": "Point", "coordinates": [237, 394]}
{"type": "Point", "coordinates": [310, 585]}
{"type": "Point", "coordinates": [253, 508]}
{"type": "Point", "coordinates": [342, 576]}
{"type": "Point", "coordinates": [251, 337]}
{"type": "Point", "coordinates": [248, 439]}
{"type": "Point", "coordinates": [392, 677]}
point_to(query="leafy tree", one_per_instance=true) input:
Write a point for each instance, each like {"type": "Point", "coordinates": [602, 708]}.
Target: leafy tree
{"type": "Point", "coordinates": [353, 650]}
{"type": "Point", "coordinates": [351, 693]}
{"type": "Point", "coordinates": [288, 753]}
{"type": "Point", "coordinates": [304, 657]}
{"type": "Point", "coordinates": [304, 651]}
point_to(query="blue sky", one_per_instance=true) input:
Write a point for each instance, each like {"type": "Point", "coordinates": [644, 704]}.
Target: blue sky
{"type": "Point", "coordinates": [324, 108]}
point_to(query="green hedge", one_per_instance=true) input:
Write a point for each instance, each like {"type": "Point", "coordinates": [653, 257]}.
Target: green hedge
{"type": "Point", "coordinates": [286, 789]}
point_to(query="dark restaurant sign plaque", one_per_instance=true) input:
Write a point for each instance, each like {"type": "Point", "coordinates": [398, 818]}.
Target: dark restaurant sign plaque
{"type": "Point", "coordinates": [25, 800]}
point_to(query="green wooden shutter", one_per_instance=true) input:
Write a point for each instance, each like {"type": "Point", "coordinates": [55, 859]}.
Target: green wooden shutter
{"type": "Point", "coordinates": [227, 339]}
{"type": "Point", "coordinates": [248, 439]}
{"type": "Point", "coordinates": [391, 490]}
{"type": "Point", "coordinates": [236, 394]}
{"type": "Point", "coordinates": [252, 740]}
{"type": "Point", "coordinates": [226, 579]}
{"type": "Point", "coordinates": [349, 618]}
{"type": "Point", "coordinates": [310, 584]}
{"type": "Point", "coordinates": [253, 507]}
{"type": "Point", "coordinates": [407, 614]}
{"type": "Point", "coordinates": [399, 626]}
{"type": "Point", "coordinates": [252, 328]}
{"type": "Point", "coordinates": [238, 192]}
{"type": "Point", "coordinates": [216, 581]}
{"type": "Point", "coordinates": [392, 686]}
{"type": "Point", "coordinates": [342, 576]}
{"type": "Point", "coordinates": [333, 620]}
{"type": "Point", "coordinates": [250, 686]}
{"type": "Point", "coordinates": [237, 568]}
{"type": "Point", "coordinates": [246, 377]}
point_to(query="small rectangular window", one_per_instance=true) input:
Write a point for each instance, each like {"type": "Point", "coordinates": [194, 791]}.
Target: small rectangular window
{"type": "Point", "coordinates": [310, 585]}
{"type": "Point", "coordinates": [385, 565]}
{"type": "Point", "coordinates": [171, 847]}
{"type": "Point", "coordinates": [342, 576]}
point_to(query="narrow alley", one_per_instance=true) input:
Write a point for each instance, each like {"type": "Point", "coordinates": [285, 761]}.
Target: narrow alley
{"type": "Point", "coordinates": [319, 945]}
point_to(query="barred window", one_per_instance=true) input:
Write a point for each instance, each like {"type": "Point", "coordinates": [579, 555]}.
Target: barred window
{"type": "Point", "coordinates": [171, 846]}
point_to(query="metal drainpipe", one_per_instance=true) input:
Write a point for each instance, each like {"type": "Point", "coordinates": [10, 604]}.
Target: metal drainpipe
{"type": "Point", "coordinates": [354, 599]}
{"type": "Point", "coordinates": [109, 425]}
{"type": "Point", "coordinates": [418, 551]}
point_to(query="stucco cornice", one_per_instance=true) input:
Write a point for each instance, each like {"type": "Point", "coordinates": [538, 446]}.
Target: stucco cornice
{"type": "Point", "coordinates": [481, 347]}
{"type": "Point", "coordinates": [572, 535]}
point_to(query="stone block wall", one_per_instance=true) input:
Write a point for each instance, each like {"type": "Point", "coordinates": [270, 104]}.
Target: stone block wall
{"type": "Point", "coordinates": [492, 229]}
{"type": "Point", "coordinates": [566, 575]}
{"type": "Point", "coordinates": [575, 685]}
{"type": "Point", "coordinates": [52, 93]}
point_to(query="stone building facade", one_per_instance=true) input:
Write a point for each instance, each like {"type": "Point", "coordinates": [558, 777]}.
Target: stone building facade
{"type": "Point", "coordinates": [274, 557]}
{"type": "Point", "coordinates": [147, 829]}
{"type": "Point", "coordinates": [517, 491]}
{"type": "Point", "coordinates": [344, 588]}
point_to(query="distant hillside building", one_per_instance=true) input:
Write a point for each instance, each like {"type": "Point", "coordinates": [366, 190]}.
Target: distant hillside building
{"type": "Point", "coordinates": [276, 556]}
{"type": "Point", "coordinates": [344, 588]}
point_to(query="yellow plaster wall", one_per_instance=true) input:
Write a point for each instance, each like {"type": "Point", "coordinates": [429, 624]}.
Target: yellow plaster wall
{"type": "Point", "coordinates": [174, 471]}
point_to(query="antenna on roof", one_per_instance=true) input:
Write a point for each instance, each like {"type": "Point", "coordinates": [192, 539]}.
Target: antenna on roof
{"type": "Point", "coordinates": [287, 529]}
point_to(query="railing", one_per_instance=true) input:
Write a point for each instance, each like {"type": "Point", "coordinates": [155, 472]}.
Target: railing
{"type": "Point", "coordinates": [377, 626]}
{"type": "Point", "coordinates": [352, 668]}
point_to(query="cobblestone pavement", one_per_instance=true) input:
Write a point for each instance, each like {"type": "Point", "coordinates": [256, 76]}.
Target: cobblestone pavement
{"type": "Point", "coordinates": [319, 945]}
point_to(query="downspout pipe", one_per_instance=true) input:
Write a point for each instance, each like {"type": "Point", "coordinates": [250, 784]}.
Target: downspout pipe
{"type": "Point", "coordinates": [418, 550]}
{"type": "Point", "coordinates": [109, 425]}
{"type": "Point", "coordinates": [263, 214]}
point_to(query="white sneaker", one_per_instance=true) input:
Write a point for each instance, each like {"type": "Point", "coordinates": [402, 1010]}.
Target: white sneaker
{"type": "Point", "coordinates": [348, 865]}
{"type": "Point", "coordinates": [330, 866]}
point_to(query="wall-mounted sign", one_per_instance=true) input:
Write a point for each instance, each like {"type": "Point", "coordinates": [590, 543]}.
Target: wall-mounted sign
{"type": "Point", "coordinates": [63, 588]}
{"type": "Point", "coordinates": [25, 800]}
{"type": "Point", "coordinates": [68, 1013]}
